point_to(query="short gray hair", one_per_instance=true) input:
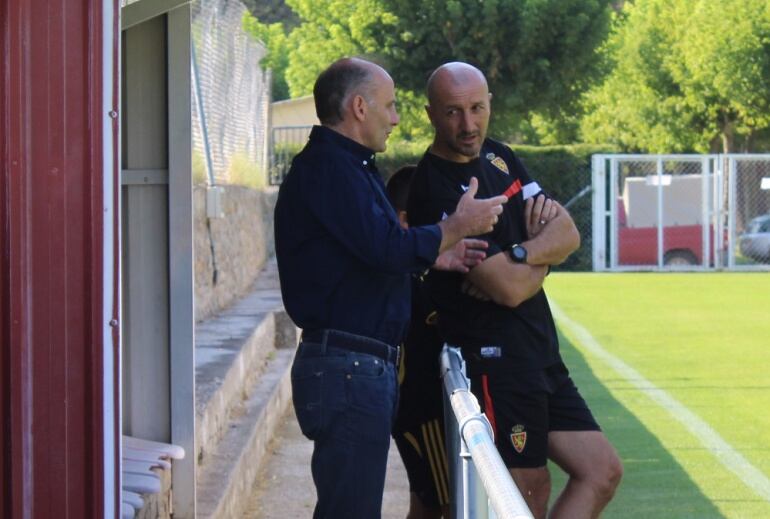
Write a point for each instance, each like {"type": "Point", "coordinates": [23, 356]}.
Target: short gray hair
{"type": "Point", "coordinates": [335, 85]}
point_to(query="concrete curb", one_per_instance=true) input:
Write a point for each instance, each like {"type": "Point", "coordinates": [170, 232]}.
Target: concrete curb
{"type": "Point", "coordinates": [243, 363]}
{"type": "Point", "coordinates": [227, 475]}
{"type": "Point", "coordinates": [222, 384]}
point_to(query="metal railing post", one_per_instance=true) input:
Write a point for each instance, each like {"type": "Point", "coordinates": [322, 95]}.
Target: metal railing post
{"type": "Point", "coordinates": [486, 488]}
{"type": "Point", "coordinates": [456, 472]}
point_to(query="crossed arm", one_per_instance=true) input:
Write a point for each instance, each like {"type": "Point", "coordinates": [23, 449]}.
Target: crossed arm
{"type": "Point", "coordinates": [552, 238]}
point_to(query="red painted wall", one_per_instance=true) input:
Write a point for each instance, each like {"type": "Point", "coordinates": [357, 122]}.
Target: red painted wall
{"type": "Point", "coordinates": [51, 274]}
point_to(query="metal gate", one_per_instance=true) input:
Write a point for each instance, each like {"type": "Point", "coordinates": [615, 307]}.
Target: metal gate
{"type": "Point", "coordinates": [681, 212]}
{"type": "Point", "coordinates": [748, 211]}
{"type": "Point", "coordinates": [286, 142]}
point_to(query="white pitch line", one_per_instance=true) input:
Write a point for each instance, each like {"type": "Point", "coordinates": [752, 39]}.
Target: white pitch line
{"type": "Point", "coordinates": [733, 460]}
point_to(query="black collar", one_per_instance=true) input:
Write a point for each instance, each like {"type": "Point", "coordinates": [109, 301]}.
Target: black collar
{"type": "Point", "coordinates": [324, 134]}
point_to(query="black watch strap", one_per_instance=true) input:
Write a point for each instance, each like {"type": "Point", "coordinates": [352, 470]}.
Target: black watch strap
{"type": "Point", "coordinates": [518, 253]}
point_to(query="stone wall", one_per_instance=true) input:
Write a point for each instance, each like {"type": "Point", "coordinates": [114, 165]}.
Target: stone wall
{"type": "Point", "coordinates": [230, 251]}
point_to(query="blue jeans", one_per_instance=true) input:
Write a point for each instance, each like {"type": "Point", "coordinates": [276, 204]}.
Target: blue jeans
{"type": "Point", "coordinates": [345, 402]}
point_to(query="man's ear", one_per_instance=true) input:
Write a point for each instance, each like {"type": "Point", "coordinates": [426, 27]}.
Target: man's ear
{"type": "Point", "coordinates": [360, 107]}
{"type": "Point", "coordinates": [429, 112]}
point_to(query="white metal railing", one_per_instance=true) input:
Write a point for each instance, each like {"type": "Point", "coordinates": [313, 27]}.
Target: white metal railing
{"type": "Point", "coordinates": [481, 485]}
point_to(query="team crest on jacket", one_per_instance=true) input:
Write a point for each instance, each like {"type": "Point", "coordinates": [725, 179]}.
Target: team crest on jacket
{"type": "Point", "coordinates": [518, 438]}
{"type": "Point", "coordinates": [500, 164]}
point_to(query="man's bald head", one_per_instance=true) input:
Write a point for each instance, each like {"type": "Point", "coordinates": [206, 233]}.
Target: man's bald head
{"type": "Point", "coordinates": [458, 108]}
{"type": "Point", "coordinates": [452, 75]}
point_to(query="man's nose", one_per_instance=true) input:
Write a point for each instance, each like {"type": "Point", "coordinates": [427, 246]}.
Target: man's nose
{"type": "Point", "coordinates": [466, 122]}
{"type": "Point", "coordinates": [394, 118]}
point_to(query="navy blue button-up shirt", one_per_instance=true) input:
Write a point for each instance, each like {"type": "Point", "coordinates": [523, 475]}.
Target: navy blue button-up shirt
{"type": "Point", "coordinates": [343, 259]}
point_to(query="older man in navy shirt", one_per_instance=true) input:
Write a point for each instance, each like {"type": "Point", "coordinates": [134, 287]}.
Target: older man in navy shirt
{"type": "Point", "coordinates": [344, 263]}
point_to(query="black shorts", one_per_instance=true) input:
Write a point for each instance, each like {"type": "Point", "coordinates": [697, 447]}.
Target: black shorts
{"type": "Point", "coordinates": [424, 455]}
{"type": "Point", "coordinates": [524, 407]}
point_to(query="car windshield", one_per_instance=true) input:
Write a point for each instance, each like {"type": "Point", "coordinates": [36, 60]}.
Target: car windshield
{"type": "Point", "coordinates": [759, 225]}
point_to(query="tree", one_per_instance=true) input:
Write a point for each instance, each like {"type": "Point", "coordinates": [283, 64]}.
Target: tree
{"type": "Point", "coordinates": [539, 55]}
{"type": "Point", "coordinates": [689, 75]}
{"type": "Point", "coordinates": [278, 46]}
{"type": "Point", "coordinates": [328, 31]}
{"type": "Point", "coordinates": [272, 11]}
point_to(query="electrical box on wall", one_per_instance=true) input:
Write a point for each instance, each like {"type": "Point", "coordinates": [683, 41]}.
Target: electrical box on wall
{"type": "Point", "coordinates": [214, 205]}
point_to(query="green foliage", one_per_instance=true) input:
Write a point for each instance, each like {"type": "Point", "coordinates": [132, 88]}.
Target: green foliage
{"type": "Point", "coordinates": [287, 149]}
{"type": "Point", "coordinates": [330, 30]}
{"type": "Point", "coordinates": [555, 127]}
{"type": "Point", "coordinates": [198, 168]}
{"type": "Point", "coordinates": [400, 153]}
{"type": "Point", "coordinates": [278, 49]}
{"type": "Point", "coordinates": [538, 55]}
{"type": "Point", "coordinates": [553, 62]}
{"type": "Point", "coordinates": [687, 76]}
{"type": "Point", "coordinates": [283, 154]}
{"type": "Point", "coordinates": [243, 171]}
{"type": "Point", "coordinates": [414, 125]}
{"type": "Point", "coordinates": [272, 11]}
{"type": "Point", "coordinates": [327, 31]}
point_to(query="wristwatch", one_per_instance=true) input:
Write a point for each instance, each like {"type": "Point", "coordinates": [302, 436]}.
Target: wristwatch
{"type": "Point", "coordinates": [518, 253]}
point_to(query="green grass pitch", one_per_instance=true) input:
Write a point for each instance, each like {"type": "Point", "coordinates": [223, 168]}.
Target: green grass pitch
{"type": "Point", "coordinates": [704, 339]}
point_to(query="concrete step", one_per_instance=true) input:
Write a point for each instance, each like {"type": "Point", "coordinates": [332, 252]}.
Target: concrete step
{"type": "Point", "coordinates": [243, 359]}
{"type": "Point", "coordinates": [227, 474]}
{"type": "Point", "coordinates": [231, 351]}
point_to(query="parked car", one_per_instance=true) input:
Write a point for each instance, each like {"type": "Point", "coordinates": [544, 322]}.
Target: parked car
{"type": "Point", "coordinates": [754, 243]}
{"type": "Point", "coordinates": [683, 244]}
{"type": "Point", "coordinates": [678, 210]}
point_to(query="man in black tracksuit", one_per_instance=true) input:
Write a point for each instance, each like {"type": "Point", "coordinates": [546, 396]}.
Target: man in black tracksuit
{"type": "Point", "coordinates": [499, 314]}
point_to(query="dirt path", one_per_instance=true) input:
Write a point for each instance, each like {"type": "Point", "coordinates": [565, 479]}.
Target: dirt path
{"type": "Point", "coordinates": [284, 488]}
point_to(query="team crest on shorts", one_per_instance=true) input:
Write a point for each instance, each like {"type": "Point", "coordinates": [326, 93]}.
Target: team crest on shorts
{"type": "Point", "coordinates": [518, 438]}
{"type": "Point", "coordinates": [500, 164]}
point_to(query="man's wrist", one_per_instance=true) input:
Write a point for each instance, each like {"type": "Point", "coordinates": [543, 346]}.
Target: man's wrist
{"type": "Point", "coordinates": [518, 253]}
{"type": "Point", "coordinates": [451, 231]}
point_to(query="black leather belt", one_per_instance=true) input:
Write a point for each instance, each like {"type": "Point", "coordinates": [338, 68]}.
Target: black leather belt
{"type": "Point", "coordinates": [352, 342]}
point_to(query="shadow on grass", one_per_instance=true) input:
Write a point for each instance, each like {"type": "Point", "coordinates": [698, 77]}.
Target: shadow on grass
{"type": "Point", "coordinates": [654, 484]}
